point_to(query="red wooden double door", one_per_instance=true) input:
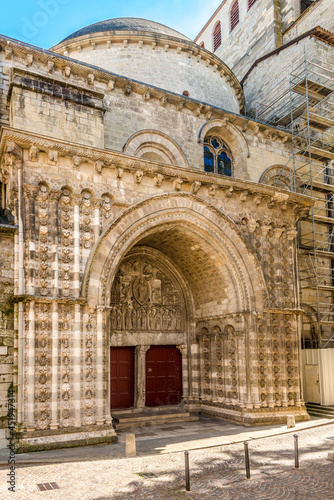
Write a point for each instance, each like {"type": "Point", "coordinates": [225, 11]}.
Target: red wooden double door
{"type": "Point", "coordinates": [163, 376]}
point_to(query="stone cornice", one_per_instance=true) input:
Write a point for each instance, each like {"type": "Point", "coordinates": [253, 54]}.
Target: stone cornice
{"type": "Point", "coordinates": [67, 71]}
{"type": "Point", "coordinates": [115, 160]}
{"type": "Point", "coordinates": [52, 59]}
{"type": "Point", "coordinates": [8, 229]}
{"type": "Point", "coordinates": [47, 300]}
{"type": "Point", "coordinates": [15, 81]}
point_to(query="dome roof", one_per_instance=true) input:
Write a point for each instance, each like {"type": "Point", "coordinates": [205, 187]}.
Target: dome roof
{"type": "Point", "coordinates": [127, 24]}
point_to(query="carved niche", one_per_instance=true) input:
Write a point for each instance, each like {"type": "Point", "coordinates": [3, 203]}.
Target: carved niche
{"type": "Point", "coordinates": [145, 298]}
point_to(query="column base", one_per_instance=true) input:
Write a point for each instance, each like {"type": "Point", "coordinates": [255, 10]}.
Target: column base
{"type": "Point", "coordinates": [65, 437]}
{"type": "Point", "coordinates": [247, 416]}
{"type": "Point", "coordinates": [54, 426]}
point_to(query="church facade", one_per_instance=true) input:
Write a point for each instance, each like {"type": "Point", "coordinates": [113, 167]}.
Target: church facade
{"type": "Point", "coordinates": [143, 263]}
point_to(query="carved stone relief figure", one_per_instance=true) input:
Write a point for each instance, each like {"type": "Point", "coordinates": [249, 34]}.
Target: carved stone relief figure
{"type": "Point", "coordinates": [144, 298]}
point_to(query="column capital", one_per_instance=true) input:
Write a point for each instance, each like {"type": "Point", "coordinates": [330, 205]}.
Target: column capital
{"type": "Point", "coordinates": [55, 195]}
{"type": "Point", "coordinates": [182, 348]}
{"type": "Point", "coordinates": [278, 231]}
{"type": "Point", "coordinates": [97, 202]}
{"type": "Point", "coordinates": [142, 349]}
{"type": "Point", "coordinates": [265, 230]}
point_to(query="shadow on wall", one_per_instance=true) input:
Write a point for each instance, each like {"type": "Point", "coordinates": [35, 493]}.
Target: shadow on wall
{"type": "Point", "coordinates": [6, 217]}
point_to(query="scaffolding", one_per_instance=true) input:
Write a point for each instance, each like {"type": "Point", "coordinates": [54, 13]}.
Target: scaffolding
{"type": "Point", "coordinates": [306, 111]}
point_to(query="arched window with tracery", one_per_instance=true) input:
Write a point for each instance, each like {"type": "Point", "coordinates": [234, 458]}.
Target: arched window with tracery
{"type": "Point", "coordinates": [217, 157]}
{"type": "Point", "coordinates": [217, 36]}
{"type": "Point", "coordinates": [234, 14]}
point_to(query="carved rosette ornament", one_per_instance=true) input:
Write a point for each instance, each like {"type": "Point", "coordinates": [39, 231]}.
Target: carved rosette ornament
{"type": "Point", "coordinates": [90, 356]}
{"type": "Point", "coordinates": [263, 363]}
{"type": "Point", "coordinates": [44, 274]}
{"type": "Point", "coordinates": [86, 223]}
{"type": "Point", "coordinates": [66, 322]}
{"type": "Point", "coordinates": [290, 349]}
{"type": "Point", "coordinates": [276, 359]}
{"type": "Point", "coordinates": [66, 210]}
{"type": "Point", "coordinates": [42, 360]}
{"type": "Point", "coordinates": [106, 206]}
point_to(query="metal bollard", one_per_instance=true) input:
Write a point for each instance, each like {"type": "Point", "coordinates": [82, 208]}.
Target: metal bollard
{"type": "Point", "coordinates": [186, 456]}
{"type": "Point", "coordinates": [296, 451]}
{"type": "Point", "coordinates": [247, 460]}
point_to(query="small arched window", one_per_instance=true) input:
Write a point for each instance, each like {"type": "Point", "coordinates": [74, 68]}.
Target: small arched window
{"type": "Point", "coordinates": [202, 45]}
{"type": "Point", "coordinates": [234, 14]}
{"type": "Point", "coordinates": [250, 3]}
{"type": "Point", "coordinates": [217, 36]}
{"type": "Point", "coordinates": [217, 157]}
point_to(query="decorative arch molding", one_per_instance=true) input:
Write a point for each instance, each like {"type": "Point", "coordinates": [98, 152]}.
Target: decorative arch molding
{"type": "Point", "coordinates": [156, 141]}
{"type": "Point", "coordinates": [281, 176]}
{"type": "Point", "coordinates": [274, 172]}
{"type": "Point", "coordinates": [158, 212]}
{"type": "Point", "coordinates": [231, 135]}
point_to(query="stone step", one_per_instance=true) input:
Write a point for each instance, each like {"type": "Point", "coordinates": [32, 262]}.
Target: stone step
{"type": "Point", "coordinates": [151, 416]}
{"type": "Point", "coordinates": [320, 414]}
{"type": "Point", "coordinates": [145, 422]}
{"type": "Point", "coordinates": [137, 417]}
{"type": "Point", "coordinates": [320, 411]}
{"type": "Point", "coordinates": [320, 407]}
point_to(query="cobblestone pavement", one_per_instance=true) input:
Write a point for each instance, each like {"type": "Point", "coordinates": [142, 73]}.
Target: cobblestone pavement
{"type": "Point", "coordinates": [216, 473]}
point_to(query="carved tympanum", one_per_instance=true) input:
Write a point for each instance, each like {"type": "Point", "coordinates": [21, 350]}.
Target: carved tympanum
{"type": "Point", "coordinates": [144, 298]}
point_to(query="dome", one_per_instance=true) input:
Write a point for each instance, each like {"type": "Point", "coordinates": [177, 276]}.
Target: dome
{"type": "Point", "coordinates": [127, 24]}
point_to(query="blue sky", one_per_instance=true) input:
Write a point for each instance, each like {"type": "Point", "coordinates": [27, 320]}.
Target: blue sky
{"type": "Point", "coordinates": [45, 22]}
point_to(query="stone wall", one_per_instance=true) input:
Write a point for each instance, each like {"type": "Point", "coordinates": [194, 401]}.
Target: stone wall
{"type": "Point", "coordinates": [56, 110]}
{"type": "Point", "coordinates": [255, 34]}
{"type": "Point", "coordinates": [6, 317]}
{"type": "Point", "coordinates": [271, 77]}
{"type": "Point", "coordinates": [170, 66]}
{"type": "Point", "coordinates": [318, 14]}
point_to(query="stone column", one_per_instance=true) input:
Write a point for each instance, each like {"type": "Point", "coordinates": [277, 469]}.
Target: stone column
{"type": "Point", "coordinates": [185, 376]}
{"type": "Point", "coordinates": [278, 231]}
{"type": "Point", "coordinates": [214, 369]}
{"type": "Point", "coordinates": [240, 338]}
{"type": "Point", "coordinates": [97, 204]}
{"type": "Point", "coordinates": [140, 375]}
{"type": "Point", "coordinates": [195, 371]}
{"type": "Point", "coordinates": [30, 352]}
{"type": "Point", "coordinates": [99, 366]}
{"type": "Point", "coordinates": [201, 366]}
{"type": "Point", "coordinates": [55, 368]}
{"type": "Point", "coordinates": [76, 365]}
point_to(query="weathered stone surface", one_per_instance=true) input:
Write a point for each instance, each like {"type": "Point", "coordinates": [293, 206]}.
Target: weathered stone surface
{"type": "Point", "coordinates": [130, 445]}
{"type": "Point", "coordinates": [124, 241]}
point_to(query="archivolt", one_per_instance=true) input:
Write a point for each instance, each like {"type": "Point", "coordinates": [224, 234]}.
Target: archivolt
{"type": "Point", "coordinates": [208, 226]}
{"type": "Point", "coordinates": [155, 141]}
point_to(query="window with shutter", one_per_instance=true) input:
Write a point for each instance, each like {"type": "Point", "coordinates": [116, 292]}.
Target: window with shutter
{"type": "Point", "coordinates": [234, 15]}
{"type": "Point", "coordinates": [217, 36]}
